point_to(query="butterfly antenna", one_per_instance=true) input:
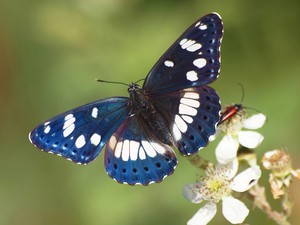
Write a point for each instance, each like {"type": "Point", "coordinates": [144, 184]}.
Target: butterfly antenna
{"type": "Point", "coordinates": [139, 80]}
{"type": "Point", "coordinates": [111, 82]}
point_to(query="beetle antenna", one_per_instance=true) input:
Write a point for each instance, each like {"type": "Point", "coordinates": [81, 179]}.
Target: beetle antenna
{"type": "Point", "coordinates": [243, 92]}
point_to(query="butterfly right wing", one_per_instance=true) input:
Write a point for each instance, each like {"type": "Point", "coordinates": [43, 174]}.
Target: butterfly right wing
{"type": "Point", "coordinates": [192, 116]}
{"type": "Point", "coordinates": [133, 155]}
{"type": "Point", "coordinates": [80, 134]}
{"type": "Point", "coordinates": [192, 60]}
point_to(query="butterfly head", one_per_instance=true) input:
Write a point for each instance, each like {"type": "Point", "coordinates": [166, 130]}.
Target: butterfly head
{"type": "Point", "coordinates": [133, 87]}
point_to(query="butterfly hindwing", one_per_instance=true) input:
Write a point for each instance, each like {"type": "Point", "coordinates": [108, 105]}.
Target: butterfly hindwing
{"type": "Point", "coordinates": [192, 114]}
{"type": "Point", "coordinates": [193, 60]}
{"type": "Point", "coordinates": [132, 156]}
{"type": "Point", "coordinates": [81, 133]}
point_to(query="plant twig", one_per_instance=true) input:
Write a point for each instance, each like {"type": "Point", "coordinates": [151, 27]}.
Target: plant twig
{"type": "Point", "coordinates": [261, 202]}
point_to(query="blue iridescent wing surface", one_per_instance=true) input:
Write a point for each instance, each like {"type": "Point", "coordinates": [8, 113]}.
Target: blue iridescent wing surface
{"type": "Point", "coordinates": [193, 59]}
{"type": "Point", "coordinates": [80, 134]}
{"type": "Point", "coordinates": [133, 155]}
{"type": "Point", "coordinates": [192, 116]}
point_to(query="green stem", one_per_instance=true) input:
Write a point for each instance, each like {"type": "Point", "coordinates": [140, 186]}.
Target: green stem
{"type": "Point", "coordinates": [200, 162]}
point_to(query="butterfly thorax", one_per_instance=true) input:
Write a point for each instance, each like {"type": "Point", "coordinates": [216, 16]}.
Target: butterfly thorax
{"type": "Point", "coordinates": [147, 114]}
{"type": "Point", "coordinates": [138, 99]}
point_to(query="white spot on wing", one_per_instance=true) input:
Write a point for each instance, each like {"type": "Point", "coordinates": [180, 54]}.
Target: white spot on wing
{"type": "Point", "coordinates": [118, 149]}
{"type": "Point", "coordinates": [95, 112]}
{"type": "Point", "coordinates": [112, 142]}
{"type": "Point", "coordinates": [212, 137]}
{"type": "Point", "coordinates": [194, 47]}
{"type": "Point", "coordinates": [187, 119]}
{"type": "Point", "coordinates": [95, 139]}
{"type": "Point", "coordinates": [197, 24]}
{"type": "Point", "coordinates": [190, 102]}
{"type": "Point", "coordinates": [134, 149]}
{"type": "Point", "coordinates": [176, 132]}
{"type": "Point", "coordinates": [158, 148]}
{"type": "Point", "coordinates": [47, 129]}
{"type": "Point", "coordinates": [80, 141]}
{"type": "Point", "coordinates": [149, 149]}
{"type": "Point", "coordinates": [69, 121]}
{"type": "Point", "coordinates": [203, 26]}
{"type": "Point", "coordinates": [169, 63]}
{"type": "Point", "coordinates": [125, 150]}
{"type": "Point", "coordinates": [192, 95]}
{"type": "Point", "coordinates": [180, 124]}
{"type": "Point", "coordinates": [69, 130]}
{"type": "Point", "coordinates": [142, 154]}
{"type": "Point", "coordinates": [188, 44]}
{"type": "Point", "coordinates": [45, 124]}
{"type": "Point", "coordinates": [191, 76]}
{"type": "Point", "coordinates": [187, 110]}
{"type": "Point", "coordinates": [183, 41]}
{"type": "Point", "coordinates": [68, 116]}
{"type": "Point", "coordinates": [200, 63]}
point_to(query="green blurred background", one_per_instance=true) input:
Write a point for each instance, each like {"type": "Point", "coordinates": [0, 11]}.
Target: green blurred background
{"type": "Point", "coordinates": [52, 50]}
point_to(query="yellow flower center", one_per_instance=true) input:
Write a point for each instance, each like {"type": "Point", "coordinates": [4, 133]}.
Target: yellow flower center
{"type": "Point", "coordinates": [215, 186]}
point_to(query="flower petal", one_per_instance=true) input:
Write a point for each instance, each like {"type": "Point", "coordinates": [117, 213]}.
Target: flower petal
{"type": "Point", "coordinates": [250, 139]}
{"type": "Point", "coordinates": [234, 210]}
{"type": "Point", "coordinates": [191, 193]}
{"type": "Point", "coordinates": [204, 214]}
{"type": "Point", "coordinates": [246, 179]}
{"type": "Point", "coordinates": [226, 149]}
{"type": "Point", "coordinates": [255, 122]}
{"type": "Point", "coordinates": [296, 173]}
{"type": "Point", "coordinates": [229, 170]}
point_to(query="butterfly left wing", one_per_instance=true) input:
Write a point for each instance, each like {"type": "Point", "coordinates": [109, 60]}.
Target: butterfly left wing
{"type": "Point", "coordinates": [80, 134]}
{"type": "Point", "coordinates": [193, 59]}
{"type": "Point", "coordinates": [134, 156]}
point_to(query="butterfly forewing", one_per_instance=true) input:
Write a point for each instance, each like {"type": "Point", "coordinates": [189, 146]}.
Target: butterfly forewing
{"type": "Point", "coordinates": [193, 60]}
{"type": "Point", "coordinates": [81, 133]}
{"type": "Point", "coordinates": [134, 156]}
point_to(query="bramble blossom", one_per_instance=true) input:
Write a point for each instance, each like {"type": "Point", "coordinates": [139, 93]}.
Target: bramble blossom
{"type": "Point", "coordinates": [217, 186]}
{"type": "Point", "coordinates": [280, 164]}
{"type": "Point", "coordinates": [234, 135]}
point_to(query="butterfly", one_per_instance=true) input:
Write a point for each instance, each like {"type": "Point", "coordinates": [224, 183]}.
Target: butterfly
{"type": "Point", "coordinates": [173, 109]}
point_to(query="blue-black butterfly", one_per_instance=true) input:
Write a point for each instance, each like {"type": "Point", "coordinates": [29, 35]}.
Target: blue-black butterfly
{"type": "Point", "coordinates": [174, 108]}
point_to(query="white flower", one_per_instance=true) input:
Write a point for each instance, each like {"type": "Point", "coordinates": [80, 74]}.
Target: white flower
{"type": "Point", "coordinates": [218, 185]}
{"type": "Point", "coordinates": [280, 164]}
{"type": "Point", "coordinates": [234, 135]}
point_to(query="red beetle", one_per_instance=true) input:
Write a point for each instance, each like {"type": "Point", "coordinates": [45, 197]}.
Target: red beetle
{"type": "Point", "coordinates": [230, 111]}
